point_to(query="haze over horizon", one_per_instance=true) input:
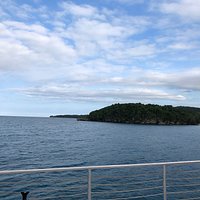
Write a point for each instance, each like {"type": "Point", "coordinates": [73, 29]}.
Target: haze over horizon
{"type": "Point", "coordinates": [72, 57]}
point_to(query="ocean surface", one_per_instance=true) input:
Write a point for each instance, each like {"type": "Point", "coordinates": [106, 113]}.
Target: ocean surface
{"type": "Point", "coordinates": [30, 142]}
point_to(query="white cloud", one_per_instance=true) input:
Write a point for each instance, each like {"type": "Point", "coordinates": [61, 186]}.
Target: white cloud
{"type": "Point", "coordinates": [92, 37]}
{"type": "Point", "coordinates": [177, 80]}
{"type": "Point", "coordinates": [23, 11]}
{"type": "Point", "coordinates": [98, 32]}
{"type": "Point", "coordinates": [182, 46]}
{"type": "Point", "coordinates": [129, 1]}
{"type": "Point", "coordinates": [138, 85]}
{"type": "Point", "coordinates": [188, 9]}
{"type": "Point", "coordinates": [15, 25]}
{"type": "Point", "coordinates": [185, 79]}
{"type": "Point", "coordinates": [88, 53]}
{"type": "Point", "coordinates": [139, 51]}
{"type": "Point", "coordinates": [93, 33]}
{"type": "Point", "coordinates": [77, 10]}
{"type": "Point", "coordinates": [71, 93]}
{"type": "Point", "coordinates": [32, 48]}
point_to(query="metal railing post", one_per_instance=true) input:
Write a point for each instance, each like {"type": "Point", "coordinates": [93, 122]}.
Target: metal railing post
{"type": "Point", "coordinates": [89, 184]}
{"type": "Point", "coordinates": [164, 183]}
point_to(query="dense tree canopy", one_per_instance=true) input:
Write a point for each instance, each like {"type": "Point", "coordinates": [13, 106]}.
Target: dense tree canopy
{"type": "Point", "coordinates": [147, 114]}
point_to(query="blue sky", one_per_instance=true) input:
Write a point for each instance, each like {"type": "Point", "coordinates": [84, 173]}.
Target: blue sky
{"type": "Point", "coordinates": [66, 57]}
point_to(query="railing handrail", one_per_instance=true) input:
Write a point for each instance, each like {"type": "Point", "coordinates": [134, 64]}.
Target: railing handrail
{"type": "Point", "coordinates": [96, 167]}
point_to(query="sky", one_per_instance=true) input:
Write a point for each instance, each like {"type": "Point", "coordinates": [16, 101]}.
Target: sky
{"type": "Point", "coordinates": [72, 57]}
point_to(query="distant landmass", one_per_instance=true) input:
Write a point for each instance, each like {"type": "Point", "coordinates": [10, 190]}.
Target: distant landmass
{"type": "Point", "coordinates": [70, 116]}
{"type": "Point", "coordinates": [137, 113]}
{"type": "Point", "coordinates": [147, 114]}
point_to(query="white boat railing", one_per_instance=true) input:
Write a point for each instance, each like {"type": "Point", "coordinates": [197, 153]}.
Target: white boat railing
{"type": "Point", "coordinates": [90, 169]}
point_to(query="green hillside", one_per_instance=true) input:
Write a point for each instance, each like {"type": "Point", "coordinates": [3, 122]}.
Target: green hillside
{"type": "Point", "coordinates": [147, 114]}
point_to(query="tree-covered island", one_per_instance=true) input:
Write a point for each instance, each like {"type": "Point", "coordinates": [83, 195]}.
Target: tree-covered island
{"type": "Point", "coordinates": [137, 113]}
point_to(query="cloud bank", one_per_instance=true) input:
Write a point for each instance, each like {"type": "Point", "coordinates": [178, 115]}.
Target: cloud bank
{"type": "Point", "coordinates": [93, 53]}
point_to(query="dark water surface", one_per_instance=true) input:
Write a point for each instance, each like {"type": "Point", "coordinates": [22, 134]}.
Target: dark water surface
{"type": "Point", "coordinates": [27, 142]}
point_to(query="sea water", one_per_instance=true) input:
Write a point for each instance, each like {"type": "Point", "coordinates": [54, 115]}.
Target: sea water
{"type": "Point", "coordinates": [31, 142]}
